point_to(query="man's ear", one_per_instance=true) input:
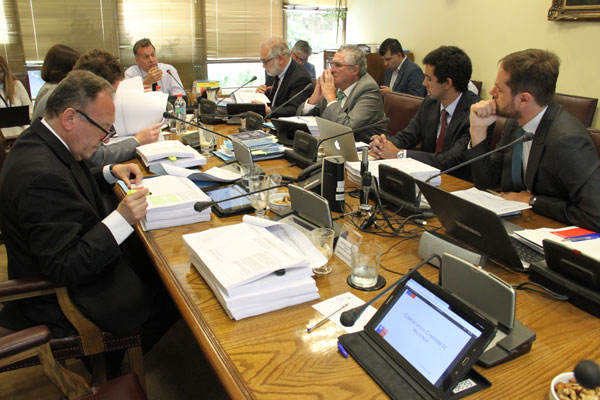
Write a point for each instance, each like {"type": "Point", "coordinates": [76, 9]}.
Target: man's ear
{"type": "Point", "coordinates": [67, 119]}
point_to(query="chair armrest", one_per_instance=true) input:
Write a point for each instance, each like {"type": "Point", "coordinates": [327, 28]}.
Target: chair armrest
{"type": "Point", "coordinates": [24, 340]}
{"type": "Point", "coordinates": [23, 288]}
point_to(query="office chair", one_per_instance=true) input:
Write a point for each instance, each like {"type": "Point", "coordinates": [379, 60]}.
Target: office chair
{"type": "Point", "coordinates": [35, 343]}
{"type": "Point", "coordinates": [582, 108]}
{"type": "Point", "coordinates": [400, 108]}
{"type": "Point", "coordinates": [89, 340]}
{"type": "Point", "coordinates": [595, 134]}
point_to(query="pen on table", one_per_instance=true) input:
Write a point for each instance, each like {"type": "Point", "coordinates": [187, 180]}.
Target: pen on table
{"type": "Point", "coordinates": [342, 350]}
{"type": "Point", "coordinates": [492, 192]}
{"type": "Point", "coordinates": [580, 238]}
{"type": "Point", "coordinates": [321, 322]}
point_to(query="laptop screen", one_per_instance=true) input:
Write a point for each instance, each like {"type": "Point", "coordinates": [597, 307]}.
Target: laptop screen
{"type": "Point", "coordinates": [426, 332]}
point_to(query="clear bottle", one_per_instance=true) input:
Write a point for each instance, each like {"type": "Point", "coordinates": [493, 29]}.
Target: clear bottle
{"type": "Point", "coordinates": [172, 123]}
{"type": "Point", "coordinates": [180, 113]}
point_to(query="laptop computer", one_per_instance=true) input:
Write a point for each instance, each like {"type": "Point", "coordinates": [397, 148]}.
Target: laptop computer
{"type": "Point", "coordinates": [343, 145]}
{"type": "Point", "coordinates": [286, 130]}
{"type": "Point", "coordinates": [479, 227]}
{"type": "Point", "coordinates": [14, 116]}
{"type": "Point", "coordinates": [422, 342]}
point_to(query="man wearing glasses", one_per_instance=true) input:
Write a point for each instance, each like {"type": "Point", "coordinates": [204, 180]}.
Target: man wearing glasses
{"type": "Point", "coordinates": [300, 53]}
{"type": "Point", "coordinates": [284, 78]}
{"type": "Point", "coordinates": [401, 74]}
{"type": "Point", "coordinates": [347, 94]}
{"type": "Point", "coordinates": [55, 225]}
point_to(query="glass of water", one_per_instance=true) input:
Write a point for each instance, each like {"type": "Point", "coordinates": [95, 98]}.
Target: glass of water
{"type": "Point", "coordinates": [207, 142]}
{"type": "Point", "coordinates": [260, 200]}
{"type": "Point", "coordinates": [366, 258]}
{"type": "Point", "coordinates": [322, 238]}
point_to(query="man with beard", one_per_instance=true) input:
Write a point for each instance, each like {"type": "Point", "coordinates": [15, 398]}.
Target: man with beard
{"type": "Point", "coordinates": [284, 78]}
{"type": "Point", "coordinates": [558, 173]}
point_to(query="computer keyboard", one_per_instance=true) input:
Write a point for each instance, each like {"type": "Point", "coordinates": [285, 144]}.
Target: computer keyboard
{"type": "Point", "coordinates": [526, 253]}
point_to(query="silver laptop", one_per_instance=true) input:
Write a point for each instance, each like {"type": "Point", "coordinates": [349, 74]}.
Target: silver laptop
{"type": "Point", "coordinates": [344, 145]}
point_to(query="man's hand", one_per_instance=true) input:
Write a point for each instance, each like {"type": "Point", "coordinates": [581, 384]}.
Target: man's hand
{"type": "Point", "coordinates": [263, 88]}
{"type": "Point", "coordinates": [385, 89]}
{"type": "Point", "coordinates": [149, 134]}
{"type": "Point", "coordinates": [328, 86]}
{"type": "Point", "coordinates": [523, 196]}
{"type": "Point", "coordinates": [124, 171]}
{"type": "Point", "coordinates": [133, 206]}
{"type": "Point", "coordinates": [483, 114]}
{"type": "Point", "coordinates": [317, 94]}
{"type": "Point", "coordinates": [154, 75]}
{"type": "Point", "coordinates": [380, 147]}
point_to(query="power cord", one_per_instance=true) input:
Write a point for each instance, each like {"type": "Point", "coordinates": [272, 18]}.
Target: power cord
{"type": "Point", "coordinates": [545, 291]}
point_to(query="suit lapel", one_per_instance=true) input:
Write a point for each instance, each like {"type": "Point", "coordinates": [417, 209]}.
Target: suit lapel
{"type": "Point", "coordinates": [462, 107]}
{"type": "Point", "coordinates": [537, 146]}
{"type": "Point", "coordinates": [78, 169]}
{"type": "Point", "coordinates": [401, 73]}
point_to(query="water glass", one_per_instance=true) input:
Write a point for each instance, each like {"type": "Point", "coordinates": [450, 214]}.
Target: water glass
{"type": "Point", "coordinates": [207, 142]}
{"type": "Point", "coordinates": [366, 258]}
{"type": "Point", "coordinates": [260, 200]}
{"type": "Point", "coordinates": [322, 238]}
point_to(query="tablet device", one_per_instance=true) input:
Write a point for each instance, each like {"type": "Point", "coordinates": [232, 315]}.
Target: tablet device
{"type": "Point", "coordinates": [429, 337]}
{"type": "Point", "coordinates": [230, 207]}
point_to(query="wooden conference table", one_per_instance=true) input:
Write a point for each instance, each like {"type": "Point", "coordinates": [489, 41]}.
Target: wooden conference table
{"type": "Point", "coordinates": [271, 356]}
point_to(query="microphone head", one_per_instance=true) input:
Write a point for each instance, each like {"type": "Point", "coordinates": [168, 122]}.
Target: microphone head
{"type": "Point", "coordinates": [253, 79]}
{"type": "Point", "coordinates": [167, 115]}
{"type": "Point", "coordinates": [348, 318]}
{"type": "Point", "coordinates": [169, 71]}
{"type": "Point", "coordinates": [202, 205]}
{"type": "Point", "coordinates": [587, 373]}
{"type": "Point", "coordinates": [527, 136]}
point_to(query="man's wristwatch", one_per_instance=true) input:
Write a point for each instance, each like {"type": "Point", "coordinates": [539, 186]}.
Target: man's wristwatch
{"type": "Point", "coordinates": [110, 169]}
{"type": "Point", "coordinates": [532, 200]}
{"type": "Point", "coordinates": [401, 154]}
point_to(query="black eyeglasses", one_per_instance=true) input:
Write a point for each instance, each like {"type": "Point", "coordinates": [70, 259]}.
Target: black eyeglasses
{"type": "Point", "coordinates": [107, 134]}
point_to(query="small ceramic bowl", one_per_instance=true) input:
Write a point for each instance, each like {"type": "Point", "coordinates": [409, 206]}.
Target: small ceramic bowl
{"type": "Point", "coordinates": [564, 377]}
{"type": "Point", "coordinates": [280, 203]}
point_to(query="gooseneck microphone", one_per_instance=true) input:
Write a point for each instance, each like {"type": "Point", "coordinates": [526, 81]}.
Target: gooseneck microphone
{"type": "Point", "coordinates": [176, 80]}
{"type": "Point", "coordinates": [203, 205]}
{"type": "Point", "coordinates": [288, 100]}
{"type": "Point", "coordinates": [587, 373]}
{"type": "Point", "coordinates": [348, 318]}
{"type": "Point", "coordinates": [171, 116]}
{"type": "Point", "coordinates": [527, 136]}
{"type": "Point", "coordinates": [250, 81]}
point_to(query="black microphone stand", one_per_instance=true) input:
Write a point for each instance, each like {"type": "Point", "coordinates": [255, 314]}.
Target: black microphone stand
{"type": "Point", "coordinates": [250, 81]}
{"type": "Point", "coordinates": [200, 206]}
{"type": "Point", "coordinates": [287, 101]}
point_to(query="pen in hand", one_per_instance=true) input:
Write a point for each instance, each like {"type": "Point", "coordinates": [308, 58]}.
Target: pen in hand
{"type": "Point", "coordinates": [321, 322]}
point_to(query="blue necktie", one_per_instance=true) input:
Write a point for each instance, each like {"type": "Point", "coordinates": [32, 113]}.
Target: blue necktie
{"type": "Point", "coordinates": [516, 169]}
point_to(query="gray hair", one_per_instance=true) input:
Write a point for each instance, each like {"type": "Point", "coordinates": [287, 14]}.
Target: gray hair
{"type": "Point", "coordinates": [77, 90]}
{"type": "Point", "coordinates": [302, 47]}
{"type": "Point", "coordinates": [353, 55]}
{"type": "Point", "coordinates": [145, 42]}
{"type": "Point", "coordinates": [276, 47]}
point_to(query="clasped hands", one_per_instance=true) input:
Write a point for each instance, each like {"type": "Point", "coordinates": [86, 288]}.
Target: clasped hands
{"type": "Point", "coordinates": [154, 75]}
{"type": "Point", "coordinates": [324, 87]}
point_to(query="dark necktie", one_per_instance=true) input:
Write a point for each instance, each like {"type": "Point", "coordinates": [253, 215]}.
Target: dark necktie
{"type": "Point", "coordinates": [154, 86]}
{"type": "Point", "coordinates": [439, 145]}
{"type": "Point", "coordinates": [516, 168]}
{"type": "Point", "coordinates": [274, 90]}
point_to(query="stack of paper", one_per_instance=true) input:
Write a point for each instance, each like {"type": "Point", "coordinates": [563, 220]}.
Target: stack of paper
{"type": "Point", "coordinates": [248, 97]}
{"type": "Point", "coordinates": [583, 240]}
{"type": "Point", "coordinates": [310, 121]}
{"type": "Point", "coordinates": [135, 109]}
{"type": "Point", "coordinates": [502, 207]}
{"type": "Point", "coordinates": [170, 152]}
{"type": "Point", "coordinates": [244, 281]}
{"type": "Point", "coordinates": [417, 169]}
{"type": "Point", "coordinates": [171, 202]}
{"type": "Point", "coordinates": [263, 145]}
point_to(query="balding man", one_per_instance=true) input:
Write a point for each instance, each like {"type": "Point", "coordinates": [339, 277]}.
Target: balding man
{"type": "Point", "coordinates": [347, 94]}
{"type": "Point", "coordinates": [284, 78]}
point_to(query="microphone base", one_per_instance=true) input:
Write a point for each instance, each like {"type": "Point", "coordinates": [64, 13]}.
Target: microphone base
{"type": "Point", "coordinates": [380, 284]}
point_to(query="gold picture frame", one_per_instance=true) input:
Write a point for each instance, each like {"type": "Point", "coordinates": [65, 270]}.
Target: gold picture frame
{"type": "Point", "coordinates": [574, 10]}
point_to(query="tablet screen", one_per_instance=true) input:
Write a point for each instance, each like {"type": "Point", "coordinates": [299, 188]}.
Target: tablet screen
{"type": "Point", "coordinates": [230, 191]}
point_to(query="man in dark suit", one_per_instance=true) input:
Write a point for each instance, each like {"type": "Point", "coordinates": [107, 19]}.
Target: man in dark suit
{"type": "Point", "coordinates": [284, 78]}
{"type": "Point", "coordinates": [442, 139]}
{"type": "Point", "coordinates": [558, 173]}
{"type": "Point", "coordinates": [54, 223]}
{"type": "Point", "coordinates": [401, 74]}
{"type": "Point", "coordinates": [347, 94]}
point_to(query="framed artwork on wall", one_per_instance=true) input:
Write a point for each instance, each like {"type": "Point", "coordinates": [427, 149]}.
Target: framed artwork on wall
{"type": "Point", "coordinates": [574, 10]}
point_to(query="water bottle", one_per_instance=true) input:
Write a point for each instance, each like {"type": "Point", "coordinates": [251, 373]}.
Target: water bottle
{"type": "Point", "coordinates": [180, 113]}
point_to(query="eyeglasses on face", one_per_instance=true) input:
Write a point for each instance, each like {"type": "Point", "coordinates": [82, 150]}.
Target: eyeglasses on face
{"type": "Point", "coordinates": [339, 65]}
{"type": "Point", "coordinates": [107, 134]}
{"type": "Point", "coordinates": [265, 62]}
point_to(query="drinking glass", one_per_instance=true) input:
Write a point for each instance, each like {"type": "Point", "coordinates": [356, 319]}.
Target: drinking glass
{"type": "Point", "coordinates": [259, 200]}
{"type": "Point", "coordinates": [366, 258]}
{"type": "Point", "coordinates": [207, 142]}
{"type": "Point", "coordinates": [247, 171]}
{"type": "Point", "coordinates": [322, 238]}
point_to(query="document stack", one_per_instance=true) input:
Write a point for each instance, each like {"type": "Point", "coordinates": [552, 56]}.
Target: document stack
{"type": "Point", "coordinates": [171, 202]}
{"type": "Point", "coordinates": [263, 145]}
{"type": "Point", "coordinates": [170, 152]}
{"type": "Point", "coordinates": [270, 269]}
{"type": "Point", "coordinates": [416, 169]}
{"type": "Point", "coordinates": [497, 204]}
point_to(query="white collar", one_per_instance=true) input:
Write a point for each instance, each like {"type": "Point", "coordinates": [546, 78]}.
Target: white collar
{"type": "Point", "coordinates": [452, 106]}
{"type": "Point", "coordinates": [55, 134]}
{"type": "Point", "coordinates": [282, 74]}
{"type": "Point", "coordinates": [533, 124]}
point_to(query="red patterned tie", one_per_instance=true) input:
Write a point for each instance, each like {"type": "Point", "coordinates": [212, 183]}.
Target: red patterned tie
{"type": "Point", "coordinates": [440, 141]}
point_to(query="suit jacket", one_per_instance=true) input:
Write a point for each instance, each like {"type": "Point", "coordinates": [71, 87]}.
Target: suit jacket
{"type": "Point", "coordinates": [563, 170]}
{"type": "Point", "coordinates": [363, 106]}
{"type": "Point", "coordinates": [422, 129]}
{"type": "Point", "coordinates": [106, 154]}
{"type": "Point", "coordinates": [409, 80]}
{"type": "Point", "coordinates": [51, 219]}
{"type": "Point", "coordinates": [295, 79]}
